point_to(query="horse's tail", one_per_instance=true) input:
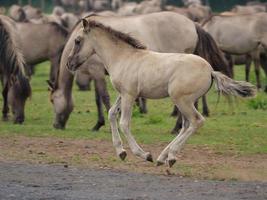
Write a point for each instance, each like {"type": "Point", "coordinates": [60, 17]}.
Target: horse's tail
{"type": "Point", "coordinates": [12, 59]}
{"type": "Point", "coordinates": [208, 49]}
{"type": "Point", "coordinates": [228, 86]}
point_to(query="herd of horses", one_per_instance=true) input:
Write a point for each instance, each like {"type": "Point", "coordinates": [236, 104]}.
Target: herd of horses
{"type": "Point", "coordinates": [166, 54]}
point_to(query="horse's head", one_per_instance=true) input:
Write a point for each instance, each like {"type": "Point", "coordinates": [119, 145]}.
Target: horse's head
{"type": "Point", "coordinates": [18, 93]}
{"type": "Point", "coordinates": [82, 49]}
{"type": "Point", "coordinates": [62, 107]}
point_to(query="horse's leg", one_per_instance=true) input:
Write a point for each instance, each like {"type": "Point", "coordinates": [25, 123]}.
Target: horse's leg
{"type": "Point", "coordinates": [142, 105]}
{"type": "Point", "coordinates": [5, 103]}
{"type": "Point", "coordinates": [178, 124]}
{"type": "Point", "coordinates": [248, 64]}
{"type": "Point", "coordinates": [101, 86]}
{"type": "Point", "coordinates": [54, 68]}
{"type": "Point", "coordinates": [206, 111]}
{"type": "Point", "coordinates": [127, 103]}
{"type": "Point", "coordinates": [263, 61]}
{"type": "Point", "coordinates": [116, 139]}
{"type": "Point", "coordinates": [175, 111]}
{"type": "Point", "coordinates": [194, 121]}
{"type": "Point", "coordinates": [257, 72]}
{"type": "Point", "coordinates": [101, 119]}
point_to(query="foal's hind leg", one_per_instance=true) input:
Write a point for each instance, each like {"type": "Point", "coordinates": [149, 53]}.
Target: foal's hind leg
{"type": "Point", "coordinates": [164, 154]}
{"type": "Point", "coordinates": [117, 143]}
{"type": "Point", "coordinates": [127, 103]}
{"type": "Point", "coordinates": [195, 120]}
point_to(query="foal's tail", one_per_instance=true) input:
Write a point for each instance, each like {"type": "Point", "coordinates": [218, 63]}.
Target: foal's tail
{"type": "Point", "coordinates": [228, 86]}
{"type": "Point", "coordinates": [208, 49]}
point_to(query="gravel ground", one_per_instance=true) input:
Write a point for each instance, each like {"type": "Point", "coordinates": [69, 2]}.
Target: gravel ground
{"type": "Point", "coordinates": [25, 181]}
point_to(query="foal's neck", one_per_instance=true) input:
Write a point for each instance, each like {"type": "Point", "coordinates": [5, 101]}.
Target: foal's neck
{"type": "Point", "coordinates": [111, 50]}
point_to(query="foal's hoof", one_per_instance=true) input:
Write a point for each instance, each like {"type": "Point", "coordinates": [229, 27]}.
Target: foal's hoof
{"type": "Point", "coordinates": [149, 157]}
{"type": "Point", "coordinates": [159, 163]}
{"type": "Point", "coordinates": [171, 162]}
{"type": "Point", "coordinates": [123, 155]}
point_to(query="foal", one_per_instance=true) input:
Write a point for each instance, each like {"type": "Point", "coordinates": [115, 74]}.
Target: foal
{"type": "Point", "coordinates": [137, 72]}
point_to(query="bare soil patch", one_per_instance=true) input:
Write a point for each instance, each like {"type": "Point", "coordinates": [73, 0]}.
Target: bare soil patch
{"type": "Point", "coordinates": [199, 162]}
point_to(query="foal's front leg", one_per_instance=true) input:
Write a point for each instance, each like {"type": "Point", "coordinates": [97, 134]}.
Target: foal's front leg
{"type": "Point", "coordinates": [127, 102]}
{"type": "Point", "coordinates": [117, 143]}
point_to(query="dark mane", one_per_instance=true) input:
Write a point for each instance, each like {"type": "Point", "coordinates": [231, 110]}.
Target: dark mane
{"type": "Point", "coordinates": [59, 29]}
{"type": "Point", "coordinates": [13, 62]}
{"type": "Point", "coordinates": [78, 22]}
{"type": "Point", "coordinates": [122, 36]}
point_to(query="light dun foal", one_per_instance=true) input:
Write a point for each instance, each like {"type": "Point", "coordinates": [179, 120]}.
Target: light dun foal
{"type": "Point", "coordinates": [137, 72]}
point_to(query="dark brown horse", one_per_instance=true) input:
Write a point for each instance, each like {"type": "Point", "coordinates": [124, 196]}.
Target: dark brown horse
{"type": "Point", "coordinates": [16, 87]}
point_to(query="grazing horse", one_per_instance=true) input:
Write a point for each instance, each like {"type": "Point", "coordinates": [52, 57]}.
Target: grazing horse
{"type": "Point", "coordinates": [162, 32]}
{"type": "Point", "coordinates": [16, 87]}
{"type": "Point", "coordinates": [41, 42]}
{"type": "Point", "coordinates": [137, 72]}
{"type": "Point", "coordinates": [240, 34]}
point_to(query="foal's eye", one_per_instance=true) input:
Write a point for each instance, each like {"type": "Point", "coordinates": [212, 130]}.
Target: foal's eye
{"type": "Point", "coordinates": [77, 41]}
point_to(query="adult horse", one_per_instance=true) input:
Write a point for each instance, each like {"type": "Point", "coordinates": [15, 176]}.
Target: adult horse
{"type": "Point", "coordinates": [41, 42]}
{"type": "Point", "coordinates": [162, 32]}
{"type": "Point", "coordinates": [240, 34]}
{"type": "Point", "coordinates": [16, 87]}
{"type": "Point", "coordinates": [137, 72]}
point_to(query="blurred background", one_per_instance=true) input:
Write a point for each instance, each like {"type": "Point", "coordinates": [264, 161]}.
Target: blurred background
{"type": "Point", "coordinates": [47, 5]}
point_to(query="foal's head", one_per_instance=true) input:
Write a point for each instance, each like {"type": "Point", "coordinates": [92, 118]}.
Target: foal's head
{"type": "Point", "coordinates": [82, 49]}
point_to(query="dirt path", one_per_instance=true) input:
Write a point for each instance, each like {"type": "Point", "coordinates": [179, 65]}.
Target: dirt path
{"type": "Point", "coordinates": [24, 181]}
{"type": "Point", "coordinates": [195, 161]}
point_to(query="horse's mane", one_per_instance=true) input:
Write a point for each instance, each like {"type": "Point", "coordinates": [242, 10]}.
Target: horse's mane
{"type": "Point", "coordinates": [12, 60]}
{"type": "Point", "coordinates": [120, 35]}
{"type": "Point", "coordinates": [9, 49]}
{"type": "Point", "coordinates": [59, 29]}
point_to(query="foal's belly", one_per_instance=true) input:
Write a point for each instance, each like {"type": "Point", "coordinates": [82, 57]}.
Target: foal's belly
{"type": "Point", "coordinates": [153, 88]}
{"type": "Point", "coordinates": [156, 93]}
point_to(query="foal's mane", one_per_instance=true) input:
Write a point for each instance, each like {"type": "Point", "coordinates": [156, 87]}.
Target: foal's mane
{"type": "Point", "coordinates": [120, 35]}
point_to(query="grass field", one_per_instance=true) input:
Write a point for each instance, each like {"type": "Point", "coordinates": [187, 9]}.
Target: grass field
{"type": "Point", "coordinates": [240, 128]}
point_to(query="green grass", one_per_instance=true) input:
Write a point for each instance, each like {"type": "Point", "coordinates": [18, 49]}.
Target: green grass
{"type": "Point", "coordinates": [241, 128]}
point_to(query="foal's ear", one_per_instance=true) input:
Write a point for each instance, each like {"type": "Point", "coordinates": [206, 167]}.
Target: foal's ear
{"type": "Point", "coordinates": [85, 25]}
